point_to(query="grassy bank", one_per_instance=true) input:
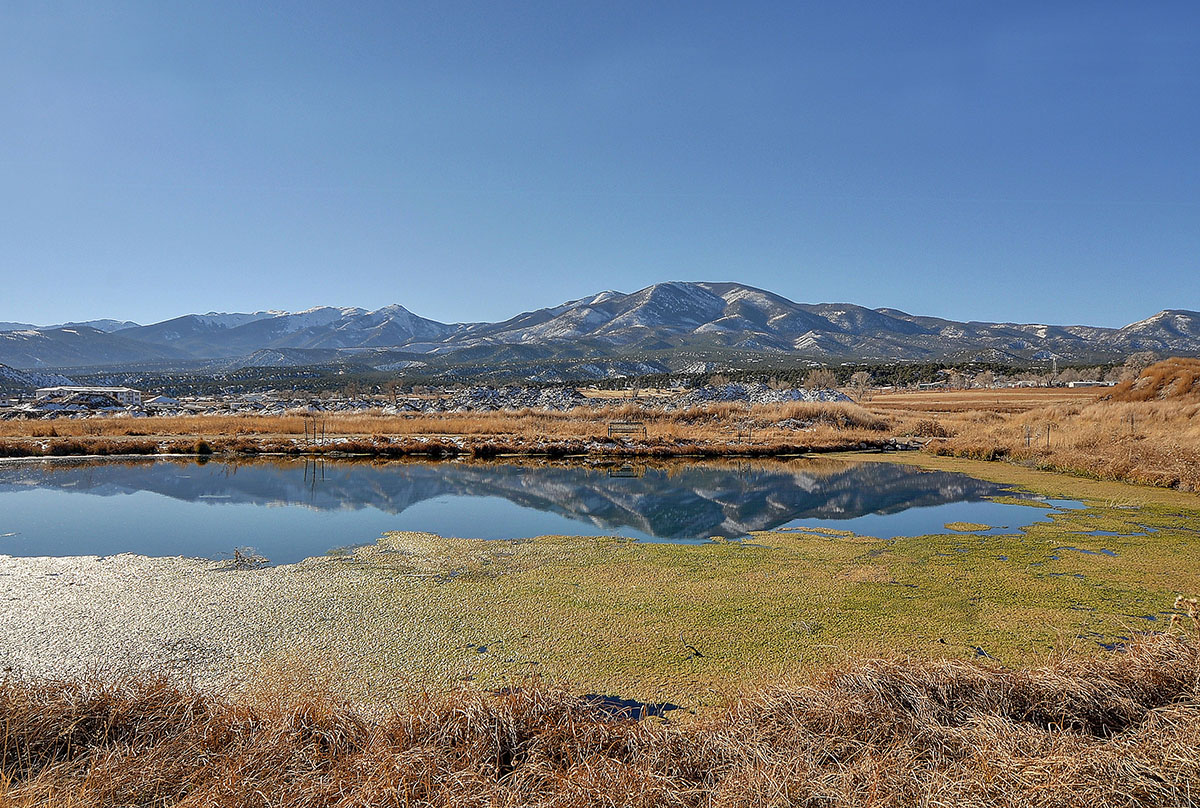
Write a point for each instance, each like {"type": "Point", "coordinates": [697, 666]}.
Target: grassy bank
{"type": "Point", "coordinates": [1118, 730]}
{"type": "Point", "coordinates": [1146, 431]}
{"type": "Point", "coordinates": [716, 430]}
{"type": "Point", "coordinates": [1151, 443]}
{"type": "Point", "coordinates": [433, 671]}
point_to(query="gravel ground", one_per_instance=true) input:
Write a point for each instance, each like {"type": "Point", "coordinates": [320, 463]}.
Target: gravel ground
{"type": "Point", "coordinates": [211, 624]}
{"type": "Point", "coordinates": [363, 624]}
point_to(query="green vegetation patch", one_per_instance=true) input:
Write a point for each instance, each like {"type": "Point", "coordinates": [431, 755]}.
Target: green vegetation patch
{"type": "Point", "coordinates": [818, 531]}
{"type": "Point", "coordinates": [968, 527]}
{"type": "Point", "coordinates": [691, 624]}
{"type": "Point", "coordinates": [1032, 503]}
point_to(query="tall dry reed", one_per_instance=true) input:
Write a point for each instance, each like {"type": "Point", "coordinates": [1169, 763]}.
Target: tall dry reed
{"type": "Point", "coordinates": [1116, 730]}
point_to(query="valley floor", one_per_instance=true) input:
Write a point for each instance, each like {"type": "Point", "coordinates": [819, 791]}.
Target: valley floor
{"type": "Point", "coordinates": [434, 670]}
{"type": "Point", "coordinates": [686, 624]}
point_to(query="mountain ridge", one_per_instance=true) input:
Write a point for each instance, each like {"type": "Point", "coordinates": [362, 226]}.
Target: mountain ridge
{"type": "Point", "coordinates": [664, 317]}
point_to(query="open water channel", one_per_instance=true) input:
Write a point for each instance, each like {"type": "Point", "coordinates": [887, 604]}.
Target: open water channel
{"type": "Point", "coordinates": [288, 510]}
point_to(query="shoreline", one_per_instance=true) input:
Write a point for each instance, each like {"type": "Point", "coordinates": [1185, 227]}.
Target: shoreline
{"type": "Point", "coordinates": [439, 448]}
{"type": "Point", "coordinates": [422, 644]}
{"type": "Point", "coordinates": [917, 452]}
{"type": "Point", "coordinates": [1148, 442]}
{"type": "Point", "coordinates": [410, 602]}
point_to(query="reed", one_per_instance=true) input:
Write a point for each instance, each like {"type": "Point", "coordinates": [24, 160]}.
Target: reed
{"type": "Point", "coordinates": [702, 430]}
{"type": "Point", "coordinates": [1116, 730]}
{"type": "Point", "coordinates": [1146, 430]}
{"type": "Point", "coordinates": [1155, 442]}
{"type": "Point", "coordinates": [1175, 379]}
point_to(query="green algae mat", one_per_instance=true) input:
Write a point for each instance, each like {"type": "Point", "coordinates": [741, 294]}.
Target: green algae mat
{"type": "Point", "coordinates": [691, 624]}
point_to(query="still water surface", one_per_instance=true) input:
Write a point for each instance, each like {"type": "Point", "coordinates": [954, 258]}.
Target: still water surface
{"type": "Point", "coordinates": [288, 510]}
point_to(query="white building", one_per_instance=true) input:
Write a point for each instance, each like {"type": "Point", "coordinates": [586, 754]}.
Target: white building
{"type": "Point", "coordinates": [125, 396]}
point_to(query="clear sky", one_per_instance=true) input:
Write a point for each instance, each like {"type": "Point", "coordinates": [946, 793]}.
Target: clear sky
{"type": "Point", "coordinates": [1031, 161]}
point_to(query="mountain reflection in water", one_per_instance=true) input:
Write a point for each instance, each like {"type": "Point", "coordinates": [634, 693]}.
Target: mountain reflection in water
{"type": "Point", "coordinates": [487, 500]}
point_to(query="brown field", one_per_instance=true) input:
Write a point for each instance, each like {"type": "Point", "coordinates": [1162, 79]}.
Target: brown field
{"type": "Point", "coordinates": [1121, 730]}
{"type": "Point", "coordinates": [1154, 442]}
{"type": "Point", "coordinates": [1005, 400]}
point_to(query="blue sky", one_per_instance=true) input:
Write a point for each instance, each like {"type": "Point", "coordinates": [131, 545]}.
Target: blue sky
{"type": "Point", "coordinates": [995, 161]}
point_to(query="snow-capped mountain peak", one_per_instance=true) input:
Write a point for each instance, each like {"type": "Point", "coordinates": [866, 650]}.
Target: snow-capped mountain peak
{"type": "Point", "coordinates": [666, 319]}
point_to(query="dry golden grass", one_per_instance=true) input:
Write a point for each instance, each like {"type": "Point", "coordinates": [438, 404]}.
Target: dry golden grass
{"type": "Point", "coordinates": [1004, 400]}
{"type": "Point", "coordinates": [1172, 379]}
{"type": "Point", "coordinates": [1146, 431]}
{"type": "Point", "coordinates": [700, 430]}
{"type": "Point", "coordinates": [1119, 730]}
{"type": "Point", "coordinates": [1156, 443]}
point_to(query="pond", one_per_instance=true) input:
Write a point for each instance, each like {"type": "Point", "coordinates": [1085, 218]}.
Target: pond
{"type": "Point", "coordinates": [288, 510]}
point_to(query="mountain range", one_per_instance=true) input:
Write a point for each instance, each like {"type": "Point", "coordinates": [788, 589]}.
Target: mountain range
{"type": "Point", "coordinates": [99, 325]}
{"type": "Point", "coordinates": [666, 327]}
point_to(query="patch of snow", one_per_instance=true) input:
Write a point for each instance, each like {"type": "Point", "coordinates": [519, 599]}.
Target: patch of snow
{"type": "Point", "coordinates": [606, 295]}
{"type": "Point", "coordinates": [753, 394]}
{"type": "Point", "coordinates": [218, 319]}
{"type": "Point", "coordinates": [403, 365]}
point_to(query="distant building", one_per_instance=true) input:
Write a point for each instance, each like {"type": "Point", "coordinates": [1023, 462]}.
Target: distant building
{"type": "Point", "coordinates": [126, 396]}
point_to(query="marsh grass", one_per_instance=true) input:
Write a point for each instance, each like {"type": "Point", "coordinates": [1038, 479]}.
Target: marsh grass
{"type": "Point", "coordinates": [967, 527]}
{"type": "Point", "coordinates": [1144, 431]}
{"type": "Point", "coordinates": [702, 430]}
{"type": "Point", "coordinates": [1152, 442]}
{"type": "Point", "coordinates": [1176, 378]}
{"type": "Point", "coordinates": [1118, 730]}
